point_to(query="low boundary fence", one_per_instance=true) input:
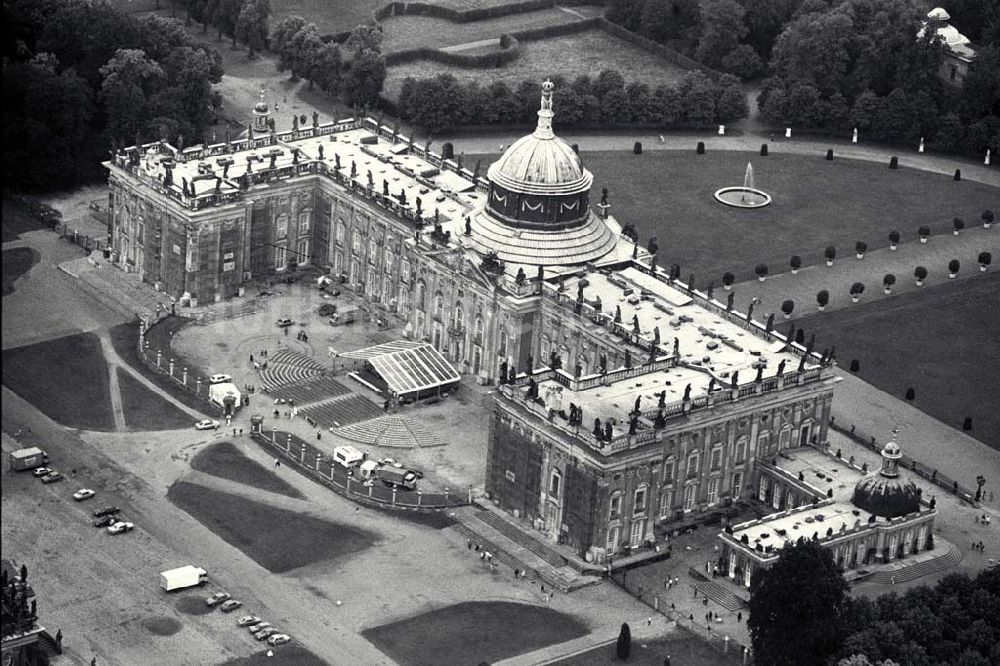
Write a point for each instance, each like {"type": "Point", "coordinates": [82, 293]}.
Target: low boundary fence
{"type": "Point", "coordinates": [53, 219]}
{"type": "Point", "coordinates": [313, 463]}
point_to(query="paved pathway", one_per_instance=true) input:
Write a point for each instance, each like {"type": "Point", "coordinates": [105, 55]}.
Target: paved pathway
{"type": "Point", "coordinates": [468, 46]}
{"type": "Point", "coordinates": [847, 269]}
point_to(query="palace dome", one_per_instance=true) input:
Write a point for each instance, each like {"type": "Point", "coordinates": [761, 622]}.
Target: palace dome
{"type": "Point", "coordinates": [541, 163]}
{"type": "Point", "coordinates": [537, 210]}
{"type": "Point", "coordinates": [885, 493]}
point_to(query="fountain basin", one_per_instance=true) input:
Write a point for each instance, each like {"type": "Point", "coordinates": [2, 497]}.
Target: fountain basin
{"type": "Point", "coordinates": [743, 197]}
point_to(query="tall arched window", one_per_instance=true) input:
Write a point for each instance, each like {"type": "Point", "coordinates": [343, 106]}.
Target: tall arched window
{"type": "Point", "coordinates": [479, 330]}
{"type": "Point", "coordinates": [282, 226]}
{"type": "Point", "coordinates": [439, 306]}
{"type": "Point", "coordinates": [502, 343]}
{"type": "Point", "coordinates": [544, 349]}
{"type": "Point", "coordinates": [418, 301]}
{"type": "Point", "coordinates": [404, 300]}
{"type": "Point", "coordinates": [304, 218]}
{"type": "Point", "coordinates": [459, 318]}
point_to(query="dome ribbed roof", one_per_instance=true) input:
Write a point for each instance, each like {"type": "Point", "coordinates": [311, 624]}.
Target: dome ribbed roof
{"type": "Point", "coordinates": [886, 497]}
{"type": "Point", "coordinates": [541, 163]}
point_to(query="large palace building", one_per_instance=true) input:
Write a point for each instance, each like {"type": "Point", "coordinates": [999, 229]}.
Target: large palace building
{"type": "Point", "coordinates": [626, 398]}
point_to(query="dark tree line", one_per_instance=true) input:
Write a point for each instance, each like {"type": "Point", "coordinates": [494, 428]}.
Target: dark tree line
{"type": "Point", "coordinates": [800, 612]}
{"type": "Point", "coordinates": [734, 36]}
{"type": "Point", "coordinates": [79, 76]}
{"type": "Point", "coordinates": [354, 70]}
{"type": "Point", "coordinates": [243, 20]}
{"type": "Point", "coordinates": [442, 101]}
{"type": "Point", "coordinates": [860, 64]}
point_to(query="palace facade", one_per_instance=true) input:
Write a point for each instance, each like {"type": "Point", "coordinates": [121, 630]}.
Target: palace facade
{"type": "Point", "coordinates": [627, 398]}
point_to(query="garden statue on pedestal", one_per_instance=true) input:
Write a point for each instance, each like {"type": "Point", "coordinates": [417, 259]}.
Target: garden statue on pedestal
{"type": "Point", "coordinates": [736, 379]}
{"type": "Point", "coordinates": [321, 152]}
{"type": "Point", "coordinates": [577, 370]}
{"type": "Point", "coordinates": [661, 399]}
{"type": "Point", "coordinates": [677, 346]}
{"type": "Point", "coordinates": [711, 384]}
{"type": "Point", "coordinates": [520, 277]}
{"type": "Point", "coordinates": [687, 393]}
{"type": "Point", "coordinates": [385, 188]}
{"type": "Point", "coordinates": [729, 301]}
{"type": "Point", "coordinates": [603, 364]}
{"type": "Point", "coordinates": [315, 119]}
{"type": "Point", "coordinates": [354, 168]}
{"type": "Point", "coordinates": [295, 123]}
{"type": "Point", "coordinates": [530, 364]}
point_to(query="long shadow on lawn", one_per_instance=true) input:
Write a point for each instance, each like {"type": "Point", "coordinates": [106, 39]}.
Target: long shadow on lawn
{"type": "Point", "coordinates": [473, 632]}
{"type": "Point", "coordinates": [65, 378]}
{"type": "Point", "coordinates": [276, 539]}
{"type": "Point", "coordinates": [144, 409]}
{"type": "Point", "coordinates": [226, 461]}
{"type": "Point", "coordinates": [17, 262]}
{"type": "Point", "coordinates": [686, 650]}
{"type": "Point", "coordinates": [941, 341]}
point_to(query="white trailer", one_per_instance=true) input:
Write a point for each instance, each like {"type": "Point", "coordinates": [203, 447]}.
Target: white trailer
{"type": "Point", "coordinates": [177, 579]}
{"type": "Point", "coordinates": [226, 396]}
{"type": "Point", "coordinates": [29, 458]}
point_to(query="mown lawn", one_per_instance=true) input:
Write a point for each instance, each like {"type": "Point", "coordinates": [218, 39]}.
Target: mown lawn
{"type": "Point", "coordinates": [473, 633]}
{"type": "Point", "coordinates": [407, 32]}
{"type": "Point", "coordinates": [145, 410]}
{"type": "Point", "coordinates": [585, 53]}
{"type": "Point", "coordinates": [66, 379]}
{"type": "Point", "coordinates": [941, 341]}
{"type": "Point", "coordinates": [681, 649]}
{"type": "Point", "coordinates": [16, 263]}
{"type": "Point", "coordinates": [668, 194]}
{"type": "Point", "coordinates": [226, 461]}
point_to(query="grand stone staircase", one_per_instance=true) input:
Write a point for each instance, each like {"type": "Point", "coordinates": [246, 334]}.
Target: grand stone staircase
{"type": "Point", "coordinates": [905, 574]}
{"type": "Point", "coordinates": [717, 592]}
{"type": "Point", "coordinates": [516, 535]}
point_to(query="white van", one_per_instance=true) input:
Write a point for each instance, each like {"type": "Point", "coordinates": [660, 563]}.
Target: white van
{"type": "Point", "coordinates": [348, 456]}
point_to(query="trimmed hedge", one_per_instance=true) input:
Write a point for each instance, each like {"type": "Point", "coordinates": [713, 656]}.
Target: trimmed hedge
{"type": "Point", "coordinates": [498, 58]}
{"type": "Point", "coordinates": [466, 15]}
{"type": "Point", "coordinates": [665, 52]}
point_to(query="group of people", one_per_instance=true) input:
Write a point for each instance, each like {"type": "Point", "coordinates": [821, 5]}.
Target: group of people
{"type": "Point", "coordinates": [983, 519]}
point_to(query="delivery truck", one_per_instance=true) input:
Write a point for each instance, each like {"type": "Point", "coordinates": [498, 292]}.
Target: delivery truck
{"type": "Point", "coordinates": [178, 579]}
{"type": "Point", "coordinates": [395, 477]}
{"type": "Point", "coordinates": [29, 458]}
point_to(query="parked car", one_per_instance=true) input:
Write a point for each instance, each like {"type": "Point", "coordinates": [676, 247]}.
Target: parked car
{"type": "Point", "coordinates": [105, 511]}
{"type": "Point", "coordinates": [83, 494]}
{"type": "Point", "coordinates": [120, 527]}
{"type": "Point", "coordinates": [266, 292]}
{"type": "Point", "coordinates": [217, 598]}
{"type": "Point", "coordinates": [219, 379]}
{"type": "Point", "coordinates": [105, 521]}
{"type": "Point", "coordinates": [326, 310]}
{"type": "Point", "coordinates": [278, 639]}
{"type": "Point", "coordinates": [417, 473]}
{"type": "Point", "coordinates": [254, 628]}
{"type": "Point", "coordinates": [247, 621]}
{"type": "Point", "coordinates": [230, 605]}
{"type": "Point", "coordinates": [391, 462]}
{"type": "Point", "coordinates": [206, 424]}
{"type": "Point", "coordinates": [284, 322]}
{"type": "Point", "coordinates": [41, 471]}
{"type": "Point", "coordinates": [264, 633]}
{"type": "Point", "coordinates": [52, 477]}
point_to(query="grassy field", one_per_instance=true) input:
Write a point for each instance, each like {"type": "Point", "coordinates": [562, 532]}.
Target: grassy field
{"type": "Point", "coordinates": [668, 194]}
{"type": "Point", "coordinates": [145, 410]}
{"type": "Point", "coordinates": [407, 32]}
{"type": "Point", "coordinates": [276, 539]}
{"type": "Point", "coordinates": [15, 222]}
{"type": "Point", "coordinates": [66, 379]}
{"type": "Point", "coordinates": [473, 633]}
{"type": "Point", "coordinates": [941, 341]}
{"type": "Point", "coordinates": [125, 337]}
{"type": "Point", "coordinates": [688, 651]}
{"type": "Point", "coordinates": [17, 262]}
{"type": "Point", "coordinates": [570, 56]}
{"type": "Point", "coordinates": [226, 461]}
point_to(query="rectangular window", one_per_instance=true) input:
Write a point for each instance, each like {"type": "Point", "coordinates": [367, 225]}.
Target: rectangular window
{"type": "Point", "coordinates": [356, 242]}
{"type": "Point", "coordinates": [338, 262]}
{"type": "Point", "coordinates": [304, 222]}
{"type": "Point", "coordinates": [640, 501]}
{"type": "Point", "coordinates": [741, 450]}
{"type": "Point", "coordinates": [282, 225]}
{"type": "Point", "coordinates": [388, 260]}
{"type": "Point", "coordinates": [303, 257]}
{"type": "Point", "coordinates": [228, 266]}
{"type": "Point", "coordinates": [713, 490]}
{"type": "Point", "coordinates": [717, 458]}
{"type": "Point", "coordinates": [404, 270]}
{"type": "Point", "coordinates": [554, 484]}
{"type": "Point", "coordinates": [638, 529]}
{"type": "Point", "coordinates": [177, 249]}
{"type": "Point", "coordinates": [689, 496]}
{"type": "Point", "coordinates": [763, 444]}
{"type": "Point", "coordinates": [666, 502]}
{"type": "Point", "coordinates": [341, 232]}
{"type": "Point", "coordinates": [227, 256]}
{"type": "Point", "coordinates": [692, 470]}
{"type": "Point", "coordinates": [616, 506]}
{"type": "Point", "coordinates": [737, 484]}
{"type": "Point", "coordinates": [668, 472]}
{"type": "Point", "coordinates": [784, 438]}
{"type": "Point", "coordinates": [279, 257]}
{"type": "Point", "coordinates": [612, 539]}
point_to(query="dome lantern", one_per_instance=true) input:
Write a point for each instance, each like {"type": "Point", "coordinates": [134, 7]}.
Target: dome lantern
{"type": "Point", "coordinates": [886, 493]}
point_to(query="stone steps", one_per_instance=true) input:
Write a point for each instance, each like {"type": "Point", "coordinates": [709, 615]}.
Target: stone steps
{"type": "Point", "coordinates": [914, 571]}
{"type": "Point", "coordinates": [717, 593]}
{"type": "Point", "coordinates": [518, 536]}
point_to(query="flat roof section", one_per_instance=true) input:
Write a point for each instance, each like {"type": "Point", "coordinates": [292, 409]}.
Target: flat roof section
{"type": "Point", "coordinates": [413, 369]}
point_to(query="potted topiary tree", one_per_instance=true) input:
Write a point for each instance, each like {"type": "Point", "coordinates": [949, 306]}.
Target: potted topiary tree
{"type": "Point", "coordinates": [796, 263]}
{"type": "Point", "coordinates": [856, 290]}
{"type": "Point", "coordinates": [822, 298]}
{"type": "Point", "coordinates": [860, 248]}
{"type": "Point", "coordinates": [787, 307]}
{"type": "Point", "coordinates": [957, 224]}
{"type": "Point", "coordinates": [893, 240]}
{"type": "Point", "coordinates": [761, 272]}
{"type": "Point", "coordinates": [887, 282]}
{"type": "Point", "coordinates": [920, 274]}
{"type": "Point", "coordinates": [924, 232]}
{"type": "Point", "coordinates": [727, 280]}
{"type": "Point", "coordinates": [984, 260]}
{"type": "Point", "coordinates": [987, 218]}
{"type": "Point", "coordinates": [953, 267]}
{"type": "Point", "coordinates": [830, 254]}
